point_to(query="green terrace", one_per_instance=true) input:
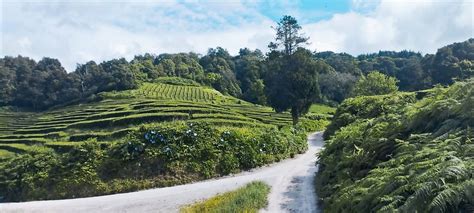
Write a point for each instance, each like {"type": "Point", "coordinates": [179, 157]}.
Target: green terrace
{"type": "Point", "coordinates": [118, 113]}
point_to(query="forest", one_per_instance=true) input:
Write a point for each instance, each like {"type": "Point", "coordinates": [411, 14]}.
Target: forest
{"type": "Point", "coordinates": [40, 85]}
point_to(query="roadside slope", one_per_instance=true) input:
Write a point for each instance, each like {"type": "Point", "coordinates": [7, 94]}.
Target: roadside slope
{"type": "Point", "coordinates": [291, 181]}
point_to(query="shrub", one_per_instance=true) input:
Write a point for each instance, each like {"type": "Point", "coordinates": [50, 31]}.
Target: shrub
{"type": "Point", "coordinates": [151, 156]}
{"type": "Point", "coordinates": [367, 107]}
{"type": "Point", "coordinates": [375, 83]}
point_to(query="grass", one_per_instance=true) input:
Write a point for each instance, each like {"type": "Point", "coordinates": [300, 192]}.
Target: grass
{"type": "Point", "coordinates": [321, 109]}
{"type": "Point", "coordinates": [250, 198]}
{"type": "Point", "coordinates": [6, 154]}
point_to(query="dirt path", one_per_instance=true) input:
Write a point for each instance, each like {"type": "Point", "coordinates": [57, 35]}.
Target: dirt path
{"type": "Point", "coordinates": [291, 181]}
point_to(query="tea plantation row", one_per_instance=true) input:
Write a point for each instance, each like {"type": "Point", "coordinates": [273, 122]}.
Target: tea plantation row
{"type": "Point", "coordinates": [118, 113]}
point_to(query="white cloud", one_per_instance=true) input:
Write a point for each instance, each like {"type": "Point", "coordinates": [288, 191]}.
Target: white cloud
{"type": "Point", "coordinates": [84, 30]}
{"type": "Point", "coordinates": [101, 30]}
{"type": "Point", "coordinates": [395, 25]}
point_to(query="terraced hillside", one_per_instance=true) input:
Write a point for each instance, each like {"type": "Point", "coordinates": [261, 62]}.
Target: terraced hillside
{"type": "Point", "coordinates": [120, 112]}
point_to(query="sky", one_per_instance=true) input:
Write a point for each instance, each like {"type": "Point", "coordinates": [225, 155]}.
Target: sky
{"type": "Point", "coordinates": [77, 31]}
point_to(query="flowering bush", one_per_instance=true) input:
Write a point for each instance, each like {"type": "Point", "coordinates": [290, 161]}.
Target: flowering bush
{"type": "Point", "coordinates": [207, 150]}
{"type": "Point", "coordinates": [155, 155]}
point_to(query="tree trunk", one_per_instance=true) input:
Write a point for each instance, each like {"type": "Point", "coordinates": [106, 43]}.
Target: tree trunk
{"type": "Point", "coordinates": [294, 115]}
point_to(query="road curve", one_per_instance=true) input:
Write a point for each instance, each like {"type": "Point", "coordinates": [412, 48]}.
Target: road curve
{"type": "Point", "coordinates": [292, 182]}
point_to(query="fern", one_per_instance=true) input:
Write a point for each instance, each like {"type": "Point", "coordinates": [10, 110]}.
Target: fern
{"type": "Point", "coordinates": [391, 157]}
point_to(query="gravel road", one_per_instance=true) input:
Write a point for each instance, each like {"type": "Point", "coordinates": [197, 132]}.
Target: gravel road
{"type": "Point", "coordinates": [291, 181]}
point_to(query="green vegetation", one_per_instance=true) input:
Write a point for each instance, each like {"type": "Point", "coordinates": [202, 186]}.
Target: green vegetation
{"type": "Point", "coordinates": [153, 155]}
{"type": "Point", "coordinates": [53, 154]}
{"type": "Point", "coordinates": [119, 113]}
{"type": "Point", "coordinates": [131, 140]}
{"type": "Point", "coordinates": [250, 198]}
{"type": "Point", "coordinates": [292, 78]}
{"type": "Point", "coordinates": [179, 92]}
{"type": "Point", "coordinates": [159, 134]}
{"type": "Point", "coordinates": [398, 153]}
{"type": "Point", "coordinates": [375, 84]}
{"type": "Point", "coordinates": [41, 85]}
{"type": "Point", "coordinates": [321, 109]}
{"type": "Point", "coordinates": [413, 71]}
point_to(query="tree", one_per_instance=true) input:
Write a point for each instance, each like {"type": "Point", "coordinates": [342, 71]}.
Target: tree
{"type": "Point", "coordinates": [249, 73]}
{"type": "Point", "coordinates": [184, 65]}
{"type": "Point", "coordinates": [220, 62]}
{"type": "Point", "coordinates": [145, 67]}
{"type": "Point", "coordinates": [453, 62]}
{"type": "Point", "coordinates": [341, 62]}
{"type": "Point", "coordinates": [375, 83]}
{"type": "Point", "coordinates": [412, 76]}
{"type": "Point", "coordinates": [288, 35]}
{"type": "Point", "coordinates": [336, 86]}
{"type": "Point", "coordinates": [292, 82]}
{"type": "Point", "coordinates": [7, 87]}
{"type": "Point", "coordinates": [292, 76]}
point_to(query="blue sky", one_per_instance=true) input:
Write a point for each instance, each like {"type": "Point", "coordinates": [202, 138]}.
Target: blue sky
{"type": "Point", "coordinates": [307, 11]}
{"type": "Point", "coordinates": [77, 31]}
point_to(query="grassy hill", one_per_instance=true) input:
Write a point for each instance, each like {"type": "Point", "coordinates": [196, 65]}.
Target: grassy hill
{"type": "Point", "coordinates": [118, 113]}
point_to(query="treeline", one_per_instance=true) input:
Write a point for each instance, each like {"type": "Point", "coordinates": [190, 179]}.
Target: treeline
{"type": "Point", "coordinates": [412, 70]}
{"type": "Point", "coordinates": [43, 84]}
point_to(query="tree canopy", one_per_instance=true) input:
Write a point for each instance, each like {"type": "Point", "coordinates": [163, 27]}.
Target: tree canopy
{"type": "Point", "coordinates": [375, 83]}
{"type": "Point", "coordinates": [292, 83]}
{"type": "Point", "coordinates": [288, 35]}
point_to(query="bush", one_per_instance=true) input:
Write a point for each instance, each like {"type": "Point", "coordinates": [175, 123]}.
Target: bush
{"type": "Point", "coordinates": [313, 125]}
{"type": "Point", "coordinates": [375, 83]}
{"type": "Point", "coordinates": [153, 155]}
{"type": "Point", "coordinates": [356, 108]}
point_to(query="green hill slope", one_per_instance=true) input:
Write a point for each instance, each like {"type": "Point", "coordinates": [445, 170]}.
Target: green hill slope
{"type": "Point", "coordinates": [396, 153]}
{"type": "Point", "coordinates": [120, 112]}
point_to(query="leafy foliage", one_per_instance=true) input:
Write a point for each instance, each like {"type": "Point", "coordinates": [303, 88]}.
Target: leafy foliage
{"type": "Point", "coordinates": [375, 84]}
{"type": "Point", "coordinates": [453, 62]}
{"type": "Point", "coordinates": [398, 154]}
{"type": "Point", "coordinates": [292, 83]}
{"type": "Point", "coordinates": [219, 62]}
{"type": "Point", "coordinates": [288, 35]}
{"type": "Point", "coordinates": [153, 155]}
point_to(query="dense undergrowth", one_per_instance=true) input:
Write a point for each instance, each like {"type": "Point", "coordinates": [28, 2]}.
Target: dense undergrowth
{"type": "Point", "coordinates": [396, 153]}
{"type": "Point", "coordinates": [154, 155]}
{"type": "Point", "coordinates": [250, 198]}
